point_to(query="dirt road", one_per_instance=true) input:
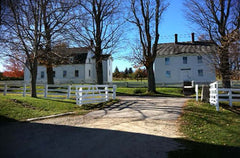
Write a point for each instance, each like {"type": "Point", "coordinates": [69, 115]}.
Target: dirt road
{"type": "Point", "coordinates": [147, 115]}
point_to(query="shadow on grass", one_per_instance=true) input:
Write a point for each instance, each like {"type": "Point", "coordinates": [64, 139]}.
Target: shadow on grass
{"type": "Point", "coordinates": [22, 139]}
{"type": "Point", "coordinates": [57, 100]}
{"type": "Point", "coordinates": [234, 109]}
{"type": "Point", "coordinates": [220, 120]}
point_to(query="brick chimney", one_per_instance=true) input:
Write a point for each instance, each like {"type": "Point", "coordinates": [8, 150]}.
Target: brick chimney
{"type": "Point", "coordinates": [176, 38]}
{"type": "Point", "coordinates": [193, 38]}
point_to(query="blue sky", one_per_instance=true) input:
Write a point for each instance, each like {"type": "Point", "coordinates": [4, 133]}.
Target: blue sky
{"type": "Point", "coordinates": [173, 21]}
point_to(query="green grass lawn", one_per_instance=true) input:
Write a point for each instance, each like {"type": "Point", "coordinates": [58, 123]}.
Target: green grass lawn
{"type": "Point", "coordinates": [202, 123]}
{"type": "Point", "coordinates": [209, 133]}
{"type": "Point", "coordinates": [21, 108]}
{"type": "Point", "coordinates": [171, 92]}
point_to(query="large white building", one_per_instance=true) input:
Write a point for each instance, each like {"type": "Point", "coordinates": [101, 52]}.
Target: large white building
{"type": "Point", "coordinates": [80, 68]}
{"type": "Point", "coordinates": [185, 61]}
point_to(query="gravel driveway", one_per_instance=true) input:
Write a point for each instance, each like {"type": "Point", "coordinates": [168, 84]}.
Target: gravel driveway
{"type": "Point", "coordinates": [147, 115]}
{"type": "Point", "coordinates": [134, 127]}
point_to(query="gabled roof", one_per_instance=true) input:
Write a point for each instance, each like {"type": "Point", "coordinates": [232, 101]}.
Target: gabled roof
{"type": "Point", "coordinates": [79, 55]}
{"type": "Point", "coordinates": [61, 56]}
{"type": "Point", "coordinates": [78, 50]}
{"type": "Point", "coordinates": [197, 47]}
{"type": "Point", "coordinates": [104, 56]}
{"type": "Point", "coordinates": [79, 58]}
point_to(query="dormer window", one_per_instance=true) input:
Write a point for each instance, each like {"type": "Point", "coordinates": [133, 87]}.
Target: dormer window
{"type": "Point", "coordinates": [71, 59]}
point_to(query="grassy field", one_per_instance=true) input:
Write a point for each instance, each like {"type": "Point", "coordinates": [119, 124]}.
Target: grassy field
{"type": "Point", "coordinates": [210, 133]}
{"type": "Point", "coordinates": [171, 92]}
{"type": "Point", "coordinates": [202, 123]}
{"type": "Point", "coordinates": [21, 108]}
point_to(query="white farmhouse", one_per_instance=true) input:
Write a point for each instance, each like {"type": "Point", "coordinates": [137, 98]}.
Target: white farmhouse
{"type": "Point", "coordinates": [185, 61]}
{"type": "Point", "coordinates": [80, 68]}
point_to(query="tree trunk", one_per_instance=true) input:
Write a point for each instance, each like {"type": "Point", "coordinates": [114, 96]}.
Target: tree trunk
{"type": "Point", "coordinates": [99, 70]}
{"type": "Point", "coordinates": [225, 69]}
{"type": "Point", "coordinates": [151, 79]}
{"type": "Point", "coordinates": [34, 89]}
{"type": "Point", "coordinates": [34, 79]}
{"type": "Point", "coordinates": [50, 79]}
{"type": "Point", "coordinates": [205, 94]}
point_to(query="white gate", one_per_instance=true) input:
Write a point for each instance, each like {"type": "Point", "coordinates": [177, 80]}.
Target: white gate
{"type": "Point", "coordinates": [86, 94]}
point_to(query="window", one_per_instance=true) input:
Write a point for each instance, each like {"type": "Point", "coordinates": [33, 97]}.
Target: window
{"type": "Point", "coordinates": [54, 73]}
{"type": "Point", "coordinates": [184, 60]}
{"type": "Point", "coordinates": [76, 73]}
{"type": "Point", "coordinates": [168, 74]}
{"type": "Point", "coordinates": [64, 73]}
{"type": "Point", "coordinates": [167, 61]}
{"type": "Point", "coordinates": [42, 74]}
{"type": "Point", "coordinates": [199, 59]}
{"type": "Point", "coordinates": [200, 73]}
{"type": "Point", "coordinates": [71, 59]}
{"type": "Point", "coordinates": [89, 73]}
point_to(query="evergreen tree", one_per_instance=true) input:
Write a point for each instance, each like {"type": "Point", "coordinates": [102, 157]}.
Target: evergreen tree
{"type": "Point", "coordinates": [130, 71]}
{"type": "Point", "coordinates": [116, 73]}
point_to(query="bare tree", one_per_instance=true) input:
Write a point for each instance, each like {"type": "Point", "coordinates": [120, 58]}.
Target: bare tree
{"type": "Point", "coordinates": [22, 33]}
{"type": "Point", "coordinates": [220, 20]}
{"type": "Point", "coordinates": [146, 17]}
{"type": "Point", "coordinates": [2, 10]}
{"type": "Point", "coordinates": [55, 16]}
{"type": "Point", "coordinates": [235, 60]}
{"type": "Point", "coordinates": [97, 27]}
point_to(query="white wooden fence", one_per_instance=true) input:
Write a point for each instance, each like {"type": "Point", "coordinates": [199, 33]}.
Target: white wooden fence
{"type": "Point", "coordinates": [223, 94]}
{"type": "Point", "coordinates": [94, 93]}
{"type": "Point", "coordinates": [84, 94]}
{"type": "Point", "coordinates": [47, 91]}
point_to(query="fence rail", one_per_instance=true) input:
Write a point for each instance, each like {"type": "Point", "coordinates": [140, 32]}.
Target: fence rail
{"type": "Point", "coordinates": [84, 94]}
{"type": "Point", "coordinates": [223, 94]}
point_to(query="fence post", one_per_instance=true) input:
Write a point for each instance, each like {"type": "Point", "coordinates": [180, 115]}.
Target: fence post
{"type": "Point", "coordinates": [77, 96]}
{"type": "Point", "coordinates": [196, 90]}
{"type": "Point", "coordinates": [45, 90]}
{"type": "Point", "coordinates": [69, 91]}
{"type": "Point", "coordinates": [24, 89]}
{"type": "Point", "coordinates": [80, 96]}
{"type": "Point", "coordinates": [106, 93]}
{"type": "Point", "coordinates": [5, 90]}
{"type": "Point", "coordinates": [114, 91]}
{"type": "Point", "coordinates": [217, 97]}
{"type": "Point", "coordinates": [230, 97]}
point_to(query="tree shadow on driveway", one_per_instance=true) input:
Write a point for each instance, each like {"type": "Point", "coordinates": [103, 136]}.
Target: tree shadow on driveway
{"type": "Point", "coordinates": [22, 139]}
